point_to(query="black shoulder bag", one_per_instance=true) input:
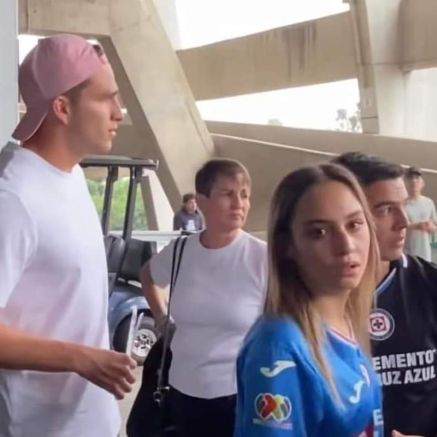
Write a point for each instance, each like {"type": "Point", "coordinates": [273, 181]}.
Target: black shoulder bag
{"type": "Point", "coordinates": [150, 414]}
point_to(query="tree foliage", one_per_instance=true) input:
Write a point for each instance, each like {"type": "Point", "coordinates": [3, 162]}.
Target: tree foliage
{"type": "Point", "coordinates": [118, 208]}
{"type": "Point", "coordinates": [349, 122]}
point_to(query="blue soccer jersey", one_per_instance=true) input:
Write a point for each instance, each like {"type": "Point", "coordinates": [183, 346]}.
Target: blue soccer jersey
{"type": "Point", "coordinates": [282, 393]}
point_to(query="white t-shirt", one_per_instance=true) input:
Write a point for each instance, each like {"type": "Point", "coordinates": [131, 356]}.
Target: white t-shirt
{"type": "Point", "coordinates": [419, 242]}
{"type": "Point", "coordinates": [53, 284]}
{"type": "Point", "coordinates": [218, 295]}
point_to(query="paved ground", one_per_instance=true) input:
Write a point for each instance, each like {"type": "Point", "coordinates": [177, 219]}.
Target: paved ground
{"type": "Point", "coordinates": [126, 403]}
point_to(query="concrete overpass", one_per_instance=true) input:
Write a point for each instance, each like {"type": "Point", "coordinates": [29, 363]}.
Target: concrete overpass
{"type": "Point", "coordinates": [388, 46]}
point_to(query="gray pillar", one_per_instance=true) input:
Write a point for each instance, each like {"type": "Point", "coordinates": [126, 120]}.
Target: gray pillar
{"type": "Point", "coordinates": [167, 11]}
{"type": "Point", "coordinates": [8, 70]}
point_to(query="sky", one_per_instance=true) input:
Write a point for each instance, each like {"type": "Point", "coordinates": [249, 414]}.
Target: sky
{"type": "Point", "coordinates": [202, 22]}
{"type": "Point", "coordinates": [205, 21]}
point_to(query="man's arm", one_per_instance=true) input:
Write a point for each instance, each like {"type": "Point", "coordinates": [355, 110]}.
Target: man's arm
{"type": "Point", "coordinates": [433, 217]}
{"type": "Point", "coordinates": [419, 226]}
{"type": "Point", "coordinates": [109, 370]}
{"type": "Point", "coordinates": [23, 351]}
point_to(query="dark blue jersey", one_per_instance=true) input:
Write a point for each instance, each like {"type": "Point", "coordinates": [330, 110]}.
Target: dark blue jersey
{"type": "Point", "coordinates": [404, 342]}
{"type": "Point", "coordinates": [282, 393]}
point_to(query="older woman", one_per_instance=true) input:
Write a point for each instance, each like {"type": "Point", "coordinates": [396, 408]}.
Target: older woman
{"type": "Point", "coordinates": [219, 293]}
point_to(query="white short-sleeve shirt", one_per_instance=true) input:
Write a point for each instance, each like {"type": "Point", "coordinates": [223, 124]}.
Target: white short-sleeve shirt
{"type": "Point", "coordinates": [218, 295]}
{"type": "Point", "coordinates": [53, 284]}
{"type": "Point", "coordinates": [418, 242]}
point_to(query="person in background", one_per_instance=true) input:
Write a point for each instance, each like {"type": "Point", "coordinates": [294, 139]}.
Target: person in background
{"type": "Point", "coordinates": [421, 214]}
{"type": "Point", "coordinates": [403, 324]}
{"type": "Point", "coordinates": [219, 293]}
{"type": "Point", "coordinates": [188, 218]}
{"type": "Point", "coordinates": [58, 377]}
{"type": "Point", "coordinates": [303, 370]}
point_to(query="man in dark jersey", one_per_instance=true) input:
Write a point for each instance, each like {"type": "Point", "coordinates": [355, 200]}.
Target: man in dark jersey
{"type": "Point", "coordinates": [403, 323]}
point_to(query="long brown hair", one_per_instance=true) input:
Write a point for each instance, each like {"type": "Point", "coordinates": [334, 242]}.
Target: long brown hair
{"type": "Point", "coordinates": [287, 293]}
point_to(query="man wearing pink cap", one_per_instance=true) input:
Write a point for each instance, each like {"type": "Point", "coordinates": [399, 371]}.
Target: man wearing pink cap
{"type": "Point", "coordinates": [58, 376]}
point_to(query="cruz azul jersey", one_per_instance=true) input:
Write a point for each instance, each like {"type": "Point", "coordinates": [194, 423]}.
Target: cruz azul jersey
{"type": "Point", "coordinates": [282, 393]}
{"type": "Point", "coordinates": [403, 329]}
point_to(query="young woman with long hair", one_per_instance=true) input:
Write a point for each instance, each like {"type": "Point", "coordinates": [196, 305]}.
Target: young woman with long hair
{"type": "Point", "coordinates": [219, 294]}
{"type": "Point", "coordinates": [303, 370]}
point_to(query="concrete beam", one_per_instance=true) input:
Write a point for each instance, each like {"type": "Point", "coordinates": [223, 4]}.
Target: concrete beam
{"type": "Point", "coordinates": [167, 11]}
{"type": "Point", "coordinates": [44, 17]}
{"type": "Point", "coordinates": [166, 124]}
{"type": "Point", "coordinates": [419, 34]}
{"type": "Point", "coordinates": [267, 164]}
{"type": "Point", "coordinates": [307, 53]}
{"type": "Point", "coordinates": [157, 95]}
{"type": "Point", "coordinates": [147, 196]}
{"type": "Point", "coordinates": [270, 152]}
{"type": "Point", "coordinates": [159, 212]}
{"type": "Point", "coordinates": [401, 150]}
{"type": "Point", "coordinates": [381, 81]}
{"type": "Point", "coordinates": [393, 37]}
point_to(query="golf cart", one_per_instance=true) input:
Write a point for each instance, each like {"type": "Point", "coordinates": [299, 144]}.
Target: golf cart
{"type": "Point", "coordinates": [125, 256]}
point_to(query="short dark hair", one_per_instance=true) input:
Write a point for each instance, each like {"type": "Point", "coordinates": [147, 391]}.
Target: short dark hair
{"type": "Point", "coordinates": [207, 175]}
{"type": "Point", "coordinates": [187, 197]}
{"type": "Point", "coordinates": [369, 169]}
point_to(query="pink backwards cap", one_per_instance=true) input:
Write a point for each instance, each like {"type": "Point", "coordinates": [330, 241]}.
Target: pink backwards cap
{"type": "Point", "coordinates": [56, 65]}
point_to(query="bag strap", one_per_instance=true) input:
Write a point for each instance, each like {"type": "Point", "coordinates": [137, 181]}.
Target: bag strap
{"type": "Point", "coordinates": [175, 266]}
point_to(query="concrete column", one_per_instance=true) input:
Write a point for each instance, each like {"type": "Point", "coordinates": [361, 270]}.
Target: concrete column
{"type": "Point", "coordinates": [157, 96]}
{"type": "Point", "coordinates": [168, 14]}
{"type": "Point", "coordinates": [419, 56]}
{"type": "Point", "coordinates": [159, 212]}
{"type": "Point", "coordinates": [8, 70]}
{"type": "Point", "coordinates": [160, 103]}
{"type": "Point", "coordinates": [149, 207]}
{"type": "Point", "coordinates": [398, 90]}
{"type": "Point", "coordinates": [421, 108]}
{"type": "Point", "coordinates": [381, 80]}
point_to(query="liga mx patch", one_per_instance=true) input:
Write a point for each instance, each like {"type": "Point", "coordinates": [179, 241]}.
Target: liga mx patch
{"type": "Point", "coordinates": [381, 324]}
{"type": "Point", "coordinates": [273, 410]}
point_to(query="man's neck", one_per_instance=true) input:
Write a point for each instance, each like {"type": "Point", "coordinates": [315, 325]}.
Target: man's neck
{"type": "Point", "coordinates": [55, 154]}
{"type": "Point", "coordinates": [383, 271]}
{"type": "Point", "coordinates": [332, 309]}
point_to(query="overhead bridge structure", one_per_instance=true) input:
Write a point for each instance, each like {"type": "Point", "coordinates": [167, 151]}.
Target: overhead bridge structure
{"type": "Point", "coordinates": [388, 46]}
